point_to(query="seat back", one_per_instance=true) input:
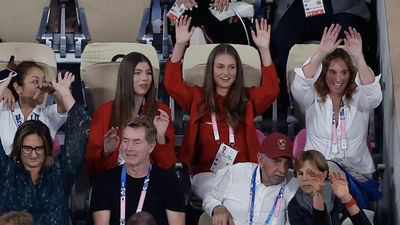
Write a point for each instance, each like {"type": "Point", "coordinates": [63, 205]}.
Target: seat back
{"type": "Point", "coordinates": [100, 74]}
{"type": "Point", "coordinates": [195, 61]}
{"type": "Point", "coordinates": [298, 54]}
{"type": "Point", "coordinates": [114, 21]}
{"type": "Point", "coordinates": [41, 54]}
{"type": "Point", "coordinates": [20, 19]}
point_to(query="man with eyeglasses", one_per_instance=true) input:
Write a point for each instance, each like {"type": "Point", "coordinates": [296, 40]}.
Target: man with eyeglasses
{"type": "Point", "coordinates": [250, 193]}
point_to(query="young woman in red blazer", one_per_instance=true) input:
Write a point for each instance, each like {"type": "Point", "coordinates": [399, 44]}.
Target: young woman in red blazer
{"type": "Point", "coordinates": [135, 95]}
{"type": "Point", "coordinates": [223, 95]}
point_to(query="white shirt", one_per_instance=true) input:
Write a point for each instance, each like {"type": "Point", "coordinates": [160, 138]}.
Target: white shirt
{"type": "Point", "coordinates": [232, 190]}
{"type": "Point", "coordinates": [319, 120]}
{"type": "Point", "coordinates": [9, 123]}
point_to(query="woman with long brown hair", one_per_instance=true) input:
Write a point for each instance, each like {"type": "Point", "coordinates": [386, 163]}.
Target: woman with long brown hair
{"type": "Point", "coordinates": [338, 90]}
{"type": "Point", "coordinates": [135, 95]}
{"type": "Point", "coordinates": [222, 111]}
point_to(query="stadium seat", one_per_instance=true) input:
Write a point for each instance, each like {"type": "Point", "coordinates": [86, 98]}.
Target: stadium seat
{"type": "Point", "coordinates": [205, 219]}
{"type": "Point", "coordinates": [99, 73]}
{"type": "Point", "coordinates": [114, 21]}
{"type": "Point", "coordinates": [20, 19]}
{"type": "Point", "coordinates": [41, 54]}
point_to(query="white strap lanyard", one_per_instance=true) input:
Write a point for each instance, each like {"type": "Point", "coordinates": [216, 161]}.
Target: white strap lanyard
{"type": "Point", "coordinates": [216, 133]}
{"type": "Point", "coordinates": [343, 135]}
{"type": "Point", "coordinates": [123, 194]}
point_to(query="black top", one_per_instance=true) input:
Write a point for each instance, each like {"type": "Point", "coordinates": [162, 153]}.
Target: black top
{"type": "Point", "coordinates": [301, 216]}
{"type": "Point", "coordinates": [164, 192]}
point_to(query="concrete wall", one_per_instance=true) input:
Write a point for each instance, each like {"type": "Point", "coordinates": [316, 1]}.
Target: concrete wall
{"type": "Point", "coordinates": [389, 51]}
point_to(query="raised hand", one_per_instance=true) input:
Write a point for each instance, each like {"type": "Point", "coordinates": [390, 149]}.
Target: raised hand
{"type": "Point", "coordinates": [329, 41]}
{"type": "Point", "coordinates": [262, 35]}
{"type": "Point", "coordinates": [340, 187]}
{"type": "Point", "coordinates": [262, 38]}
{"type": "Point", "coordinates": [188, 4]}
{"type": "Point", "coordinates": [4, 84]}
{"type": "Point", "coordinates": [353, 43]}
{"type": "Point", "coordinates": [63, 84]}
{"type": "Point", "coordinates": [221, 5]}
{"type": "Point", "coordinates": [182, 32]}
{"type": "Point", "coordinates": [317, 180]}
{"type": "Point", "coordinates": [8, 99]}
{"type": "Point", "coordinates": [221, 216]}
{"type": "Point", "coordinates": [161, 123]}
{"type": "Point", "coordinates": [111, 141]}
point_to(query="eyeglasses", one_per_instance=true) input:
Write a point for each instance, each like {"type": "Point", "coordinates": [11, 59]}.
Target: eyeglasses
{"type": "Point", "coordinates": [28, 149]}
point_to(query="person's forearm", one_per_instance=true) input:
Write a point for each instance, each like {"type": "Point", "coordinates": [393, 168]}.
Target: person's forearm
{"type": "Point", "coordinates": [60, 103]}
{"type": "Point", "coordinates": [364, 73]}
{"type": "Point", "coordinates": [318, 201]}
{"type": "Point", "coordinates": [265, 56]}
{"type": "Point", "coordinates": [177, 52]}
{"type": "Point", "coordinates": [311, 68]}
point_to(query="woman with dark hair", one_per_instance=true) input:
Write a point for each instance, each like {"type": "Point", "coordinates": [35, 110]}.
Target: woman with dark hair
{"type": "Point", "coordinates": [318, 200]}
{"type": "Point", "coordinates": [338, 97]}
{"type": "Point", "coordinates": [135, 95]}
{"type": "Point", "coordinates": [223, 106]}
{"type": "Point", "coordinates": [31, 179]}
{"type": "Point", "coordinates": [29, 89]}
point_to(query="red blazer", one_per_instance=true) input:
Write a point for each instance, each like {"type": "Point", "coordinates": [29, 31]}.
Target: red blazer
{"type": "Point", "coordinates": [188, 97]}
{"type": "Point", "coordinates": [163, 155]}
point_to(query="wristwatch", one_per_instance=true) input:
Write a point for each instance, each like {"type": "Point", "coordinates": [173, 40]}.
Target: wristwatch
{"type": "Point", "coordinates": [317, 194]}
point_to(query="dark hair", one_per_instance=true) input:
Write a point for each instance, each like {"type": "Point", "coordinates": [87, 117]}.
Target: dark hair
{"type": "Point", "coordinates": [33, 127]}
{"type": "Point", "coordinates": [142, 218]}
{"type": "Point", "coordinates": [124, 101]}
{"type": "Point", "coordinates": [313, 156]}
{"type": "Point", "coordinates": [146, 123]}
{"type": "Point", "coordinates": [236, 102]}
{"type": "Point", "coordinates": [16, 218]}
{"type": "Point", "coordinates": [320, 85]}
{"type": "Point", "coordinates": [21, 70]}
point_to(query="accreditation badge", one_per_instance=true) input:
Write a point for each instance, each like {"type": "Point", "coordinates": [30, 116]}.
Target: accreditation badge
{"type": "Point", "coordinates": [225, 156]}
{"type": "Point", "coordinates": [313, 7]}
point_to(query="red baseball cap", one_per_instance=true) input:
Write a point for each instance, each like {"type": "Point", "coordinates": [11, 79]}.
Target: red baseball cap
{"type": "Point", "coordinates": [277, 145]}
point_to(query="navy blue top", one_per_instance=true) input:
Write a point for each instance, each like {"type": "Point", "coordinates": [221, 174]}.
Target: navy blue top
{"type": "Point", "coordinates": [47, 200]}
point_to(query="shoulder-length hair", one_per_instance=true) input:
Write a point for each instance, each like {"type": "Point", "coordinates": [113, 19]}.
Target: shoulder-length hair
{"type": "Point", "coordinates": [21, 70]}
{"type": "Point", "coordinates": [33, 127]}
{"type": "Point", "coordinates": [236, 101]}
{"type": "Point", "coordinates": [124, 101]}
{"type": "Point", "coordinates": [320, 85]}
{"type": "Point", "coordinates": [313, 156]}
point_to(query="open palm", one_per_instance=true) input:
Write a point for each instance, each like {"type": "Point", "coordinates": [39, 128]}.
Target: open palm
{"type": "Point", "coordinates": [262, 35]}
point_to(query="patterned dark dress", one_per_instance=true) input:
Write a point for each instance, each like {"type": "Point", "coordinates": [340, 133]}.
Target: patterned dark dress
{"type": "Point", "coordinates": [47, 200]}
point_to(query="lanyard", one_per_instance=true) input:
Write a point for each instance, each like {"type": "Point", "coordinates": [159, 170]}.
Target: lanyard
{"type": "Point", "coordinates": [343, 135]}
{"type": "Point", "coordinates": [275, 208]}
{"type": "Point", "coordinates": [216, 133]}
{"type": "Point", "coordinates": [140, 113]}
{"type": "Point", "coordinates": [123, 194]}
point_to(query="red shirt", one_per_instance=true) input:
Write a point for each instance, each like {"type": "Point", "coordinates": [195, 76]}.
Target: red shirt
{"type": "Point", "coordinates": [163, 155]}
{"type": "Point", "coordinates": [206, 141]}
{"type": "Point", "coordinates": [196, 145]}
